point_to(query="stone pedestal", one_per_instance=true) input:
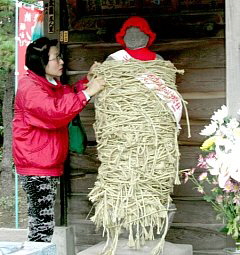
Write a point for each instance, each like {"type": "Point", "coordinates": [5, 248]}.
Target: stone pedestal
{"type": "Point", "coordinates": [27, 248]}
{"type": "Point", "coordinates": [123, 249]}
{"type": "Point", "coordinates": [63, 238]}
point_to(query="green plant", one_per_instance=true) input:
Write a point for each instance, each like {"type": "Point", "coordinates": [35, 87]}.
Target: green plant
{"type": "Point", "coordinates": [219, 166]}
{"type": "Point", "coordinates": [1, 130]}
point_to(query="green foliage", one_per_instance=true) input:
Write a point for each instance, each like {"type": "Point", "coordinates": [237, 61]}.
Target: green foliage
{"type": "Point", "coordinates": [7, 45]}
{"type": "Point", "coordinates": [7, 53]}
{"type": "Point", "coordinates": [7, 35]}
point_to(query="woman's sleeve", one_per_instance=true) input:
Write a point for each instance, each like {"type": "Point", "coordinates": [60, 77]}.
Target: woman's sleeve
{"type": "Point", "coordinates": [77, 86]}
{"type": "Point", "coordinates": [81, 84]}
{"type": "Point", "coordinates": [44, 111]}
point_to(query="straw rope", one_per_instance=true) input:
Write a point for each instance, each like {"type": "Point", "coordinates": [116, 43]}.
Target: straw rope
{"type": "Point", "coordinates": [137, 142]}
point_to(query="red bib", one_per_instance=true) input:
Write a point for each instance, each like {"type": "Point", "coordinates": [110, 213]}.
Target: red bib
{"type": "Point", "coordinates": [142, 54]}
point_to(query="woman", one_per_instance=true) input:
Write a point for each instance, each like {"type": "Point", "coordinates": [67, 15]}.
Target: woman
{"type": "Point", "coordinates": [43, 109]}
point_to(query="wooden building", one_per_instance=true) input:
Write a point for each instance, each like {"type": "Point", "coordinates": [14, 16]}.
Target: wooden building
{"type": "Point", "coordinates": [191, 34]}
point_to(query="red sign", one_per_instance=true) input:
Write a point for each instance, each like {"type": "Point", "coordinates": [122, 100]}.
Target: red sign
{"type": "Point", "coordinates": [27, 19]}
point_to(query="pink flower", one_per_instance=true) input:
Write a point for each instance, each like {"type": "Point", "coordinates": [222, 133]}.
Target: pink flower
{"type": "Point", "coordinates": [223, 178]}
{"type": "Point", "coordinates": [219, 199]}
{"type": "Point", "coordinates": [212, 164]}
{"type": "Point", "coordinates": [228, 187]}
{"type": "Point", "coordinates": [211, 155]}
{"type": "Point", "coordinates": [202, 176]}
{"type": "Point", "coordinates": [236, 200]}
{"type": "Point", "coordinates": [235, 187]}
{"type": "Point", "coordinates": [201, 162]}
{"type": "Point", "coordinates": [188, 173]}
{"type": "Point", "coordinates": [214, 182]}
{"type": "Point", "coordinates": [200, 190]}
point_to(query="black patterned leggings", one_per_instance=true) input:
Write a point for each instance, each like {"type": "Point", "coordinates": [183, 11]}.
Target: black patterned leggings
{"type": "Point", "coordinates": [41, 195]}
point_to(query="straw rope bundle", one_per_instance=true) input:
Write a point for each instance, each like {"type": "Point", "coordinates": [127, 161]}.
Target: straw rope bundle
{"type": "Point", "coordinates": [138, 149]}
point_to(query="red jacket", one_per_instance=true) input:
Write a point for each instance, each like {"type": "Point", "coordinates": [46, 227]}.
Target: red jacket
{"type": "Point", "coordinates": [42, 113]}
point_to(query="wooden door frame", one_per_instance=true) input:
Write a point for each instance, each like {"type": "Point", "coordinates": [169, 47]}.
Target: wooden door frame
{"type": "Point", "coordinates": [232, 34]}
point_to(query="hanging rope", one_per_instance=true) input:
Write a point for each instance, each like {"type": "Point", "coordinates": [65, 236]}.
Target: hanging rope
{"type": "Point", "coordinates": [136, 134]}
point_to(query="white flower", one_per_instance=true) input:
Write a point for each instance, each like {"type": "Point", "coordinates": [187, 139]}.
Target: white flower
{"type": "Point", "coordinates": [227, 164]}
{"type": "Point", "coordinates": [236, 134]}
{"type": "Point", "coordinates": [224, 175]}
{"type": "Point", "coordinates": [233, 123]}
{"type": "Point", "coordinates": [214, 167]}
{"type": "Point", "coordinates": [226, 161]}
{"type": "Point", "coordinates": [202, 176]}
{"type": "Point", "coordinates": [220, 114]}
{"type": "Point", "coordinates": [234, 163]}
{"type": "Point", "coordinates": [223, 146]}
{"type": "Point", "coordinates": [236, 174]}
{"type": "Point", "coordinates": [210, 129]}
{"type": "Point", "coordinates": [225, 131]}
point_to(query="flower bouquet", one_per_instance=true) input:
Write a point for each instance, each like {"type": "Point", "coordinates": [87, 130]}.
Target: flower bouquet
{"type": "Point", "coordinates": [219, 165]}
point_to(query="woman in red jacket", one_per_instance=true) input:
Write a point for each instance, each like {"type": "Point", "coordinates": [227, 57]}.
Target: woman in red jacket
{"type": "Point", "coordinates": [43, 109]}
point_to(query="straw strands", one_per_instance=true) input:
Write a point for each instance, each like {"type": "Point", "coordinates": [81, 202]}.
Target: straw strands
{"type": "Point", "coordinates": [137, 142]}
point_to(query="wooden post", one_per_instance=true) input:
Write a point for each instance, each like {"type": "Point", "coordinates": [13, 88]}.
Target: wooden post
{"type": "Point", "coordinates": [233, 55]}
{"type": "Point", "coordinates": [52, 31]}
{"type": "Point", "coordinates": [175, 4]}
{"type": "Point", "coordinates": [51, 18]}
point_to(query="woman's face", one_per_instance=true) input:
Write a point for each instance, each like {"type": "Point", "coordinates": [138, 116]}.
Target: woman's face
{"type": "Point", "coordinates": [54, 68]}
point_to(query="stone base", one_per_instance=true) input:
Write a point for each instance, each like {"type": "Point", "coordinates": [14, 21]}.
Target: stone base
{"type": "Point", "coordinates": [63, 238]}
{"type": "Point", "coordinates": [27, 248]}
{"type": "Point", "coordinates": [123, 249]}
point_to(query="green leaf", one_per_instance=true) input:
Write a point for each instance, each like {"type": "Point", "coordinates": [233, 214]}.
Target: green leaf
{"type": "Point", "coordinates": [224, 230]}
{"type": "Point", "coordinates": [208, 198]}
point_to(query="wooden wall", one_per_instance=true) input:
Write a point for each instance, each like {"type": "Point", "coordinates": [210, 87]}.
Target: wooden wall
{"type": "Point", "coordinates": [201, 53]}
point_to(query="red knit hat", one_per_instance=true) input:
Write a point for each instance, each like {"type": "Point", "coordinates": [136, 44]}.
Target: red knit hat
{"type": "Point", "coordinates": [139, 22]}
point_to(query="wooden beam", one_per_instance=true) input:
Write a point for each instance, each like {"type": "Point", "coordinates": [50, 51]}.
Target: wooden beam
{"type": "Point", "coordinates": [174, 44]}
{"type": "Point", "coordinates": [175, 4]}
{"type": "Point", "coordinates": [203, 95]}
{"type": "Point", "coordinates": [69, 73]}
{"type": "Point", "coordinates": [233, 55]}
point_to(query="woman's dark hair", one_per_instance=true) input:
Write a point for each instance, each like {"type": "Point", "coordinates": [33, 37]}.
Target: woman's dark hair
{"type": "Point", "coordinates": [37, 55]}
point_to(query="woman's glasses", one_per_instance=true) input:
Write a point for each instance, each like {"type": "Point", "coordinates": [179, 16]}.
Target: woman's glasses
{"type": "Point", "coordinates": [58, 57]}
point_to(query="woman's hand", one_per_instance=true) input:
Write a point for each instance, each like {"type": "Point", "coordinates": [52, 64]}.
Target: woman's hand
{"type": "Point", "coordinates": [90, 74]}
{"type": "Point", "coordinates": [94, 86]}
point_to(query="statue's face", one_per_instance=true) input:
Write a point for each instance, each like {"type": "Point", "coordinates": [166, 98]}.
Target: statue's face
{"type": "Point", "coordinates": [135, 38]}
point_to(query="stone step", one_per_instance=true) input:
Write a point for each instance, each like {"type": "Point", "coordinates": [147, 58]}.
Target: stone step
{"type": "Point", "coordinates": [196, 252]}
{"type": "Point", "coordinates": [209, 252]}
{"type": "Point", "coordinates": [201, 236]}
{"type": "Point", "coordinates": [63, 238]}
{"type": "Point", "coordinates": [123, 249]}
